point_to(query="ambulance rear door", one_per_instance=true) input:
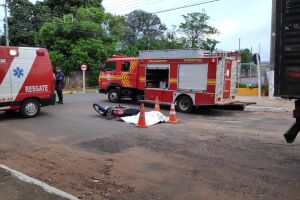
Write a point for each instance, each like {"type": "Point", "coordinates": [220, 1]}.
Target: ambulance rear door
{"type": "Point", "coordinates": [20, 69]}
{"type": "Point", "coordinates": [5, 79]}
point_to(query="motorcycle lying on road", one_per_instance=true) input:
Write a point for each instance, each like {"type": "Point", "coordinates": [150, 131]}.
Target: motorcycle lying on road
{"type": "Point", "coordinates": [115, 111]}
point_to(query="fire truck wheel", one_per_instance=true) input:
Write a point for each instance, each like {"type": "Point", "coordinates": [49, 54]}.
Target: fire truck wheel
{"type": "Point", "coordinates": [113, 96]}
{"type": "Point", "coordinates": [30, 108]}
{"type": "Point", "coordinates": [184, 104]}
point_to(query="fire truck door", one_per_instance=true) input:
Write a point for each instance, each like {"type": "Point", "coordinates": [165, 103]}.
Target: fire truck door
{"type": "Point", "coordinates": [227, 79]}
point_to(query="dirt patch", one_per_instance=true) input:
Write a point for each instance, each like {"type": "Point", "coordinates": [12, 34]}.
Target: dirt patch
{"type": "Point", "coordinates": [243, 168]}
{"type": "Point", "coordinates": [121, 143]}
{"type": "Point", "coordinates": [81, 174]}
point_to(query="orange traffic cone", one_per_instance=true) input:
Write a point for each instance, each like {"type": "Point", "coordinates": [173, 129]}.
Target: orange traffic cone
{"type": "Point", "coordinates": [172, 117]}
{"type": "Point", "coordinates": [157, 107]}
{"type": "Point", "coordinates": [142, 120]}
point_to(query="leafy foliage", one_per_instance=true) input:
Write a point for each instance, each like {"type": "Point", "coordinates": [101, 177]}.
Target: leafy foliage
{"type": "Point", "coordinates": [246, 56]}
{"type": "Point", "coordinates": [197, 31]}
{"type": "Point", "coordinates": [21, 22]}
{"type": "Point", "coordinates": [80, 31]}
{"type": "Point", "coordinates": [59, 7]}
{"type": "Point", "coordinates": [140, 30]}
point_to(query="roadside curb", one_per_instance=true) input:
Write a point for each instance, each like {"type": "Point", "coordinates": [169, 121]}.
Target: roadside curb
{"type": "Point", "coordinates": [68, 92]}
{"type": "Point", "coordinates": [77, 92]}
{"type": "Point", "coordinates": [33, 181]}
{"type": "Point", "coordinates": [264, 109]}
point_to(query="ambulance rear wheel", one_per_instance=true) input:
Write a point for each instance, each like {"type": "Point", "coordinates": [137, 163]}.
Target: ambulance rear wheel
{"type": "Point", "coordinates": [30, 108]}
{"type": "Point", "coordinates": [184, 104]}
{"type": "Point", "coordinates": [114, 96]}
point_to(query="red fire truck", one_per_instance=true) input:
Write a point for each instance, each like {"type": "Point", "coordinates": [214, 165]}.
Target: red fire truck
{"type": "Point", "coordinates": [190, 77]}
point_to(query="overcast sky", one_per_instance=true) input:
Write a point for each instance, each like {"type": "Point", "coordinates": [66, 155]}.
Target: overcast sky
{"type": "Point", "coordinates": [249, 20]}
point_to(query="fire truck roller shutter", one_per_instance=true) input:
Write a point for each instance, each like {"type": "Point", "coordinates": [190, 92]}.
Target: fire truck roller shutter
{"type": "Point", "coordinates": [193, 76]}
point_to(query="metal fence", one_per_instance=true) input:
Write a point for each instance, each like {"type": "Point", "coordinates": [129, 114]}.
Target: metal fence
{"type": "Point", "coordinates": [248, 73]}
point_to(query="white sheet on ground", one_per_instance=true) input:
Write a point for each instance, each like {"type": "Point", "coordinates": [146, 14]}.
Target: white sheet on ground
{"type": "Point", "coordinates": [152, 117]}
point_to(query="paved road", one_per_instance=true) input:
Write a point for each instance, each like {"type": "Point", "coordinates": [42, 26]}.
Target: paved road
{"type": "Point", "coordinates": [210, 154]}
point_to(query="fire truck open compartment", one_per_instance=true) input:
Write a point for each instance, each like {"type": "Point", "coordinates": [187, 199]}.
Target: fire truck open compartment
{"type": "Point", "coordinates": [157, 76]}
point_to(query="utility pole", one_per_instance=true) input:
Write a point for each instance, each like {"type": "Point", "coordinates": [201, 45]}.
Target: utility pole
{"type": "Point", "coordinates": [6, 23]}
{"type": "Point", "coordinates": [258, 72]}
{"type": "Point", "coordinates": [273, 34]}
{"type": "Point", "coordinates": [272, 56]}
{"type": "Point", "coordinates": [239, 45]}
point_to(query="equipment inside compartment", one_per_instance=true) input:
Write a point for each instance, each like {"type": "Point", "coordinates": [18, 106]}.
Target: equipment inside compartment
{"type": "Point", "coordinates": [157, 78]}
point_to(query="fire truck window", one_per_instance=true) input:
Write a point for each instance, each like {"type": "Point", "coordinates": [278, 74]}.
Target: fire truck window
{"type": "Point", "coordinates": [157, 78]}
{"type": "Point", "coordinates": [110, 66]}
{"type": "Point", "coordinates": [125, 66]}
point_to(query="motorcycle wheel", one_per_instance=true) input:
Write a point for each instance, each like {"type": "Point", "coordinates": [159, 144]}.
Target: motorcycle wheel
{"type": "Point", "coordinates": [96, 108]}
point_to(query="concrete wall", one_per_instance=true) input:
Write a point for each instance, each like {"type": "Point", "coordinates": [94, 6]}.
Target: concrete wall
{"type": "Point", "coordinates": [74, 79]}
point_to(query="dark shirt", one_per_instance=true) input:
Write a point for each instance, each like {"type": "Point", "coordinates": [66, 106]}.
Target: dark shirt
{"type": "Point", "coordinates": [59, 80]}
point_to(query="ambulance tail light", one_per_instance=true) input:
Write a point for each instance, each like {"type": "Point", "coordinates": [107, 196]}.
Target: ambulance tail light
{"type": "Point", "coordinates": [40, 52]}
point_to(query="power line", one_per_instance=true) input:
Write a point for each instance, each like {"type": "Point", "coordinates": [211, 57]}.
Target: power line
{"type": "Point", "coordinates": [117, 4]}
{"type": "Point", "coordinates": [133, 4]}
{"type": "Point", "coordinates": [186, 6]}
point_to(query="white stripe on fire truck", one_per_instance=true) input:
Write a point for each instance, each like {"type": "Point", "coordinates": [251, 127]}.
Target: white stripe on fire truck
{"type": "Point", "coordinates": [23, 62]}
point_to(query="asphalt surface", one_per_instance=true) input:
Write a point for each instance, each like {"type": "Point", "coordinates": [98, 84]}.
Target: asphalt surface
{"type": "Point", "coordinates": [210, 154]}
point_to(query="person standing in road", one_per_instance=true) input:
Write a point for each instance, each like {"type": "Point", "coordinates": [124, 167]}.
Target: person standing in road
{"type": "Point", "coordinates": [59, 84]}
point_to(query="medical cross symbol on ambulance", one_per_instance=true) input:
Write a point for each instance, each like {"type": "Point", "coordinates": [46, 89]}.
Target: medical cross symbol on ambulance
{"type": "Point", "coordinates": [18, 72]}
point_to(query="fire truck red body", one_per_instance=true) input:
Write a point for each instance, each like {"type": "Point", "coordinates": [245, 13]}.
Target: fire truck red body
{"type": "Point", "coordinates": [187, 77]}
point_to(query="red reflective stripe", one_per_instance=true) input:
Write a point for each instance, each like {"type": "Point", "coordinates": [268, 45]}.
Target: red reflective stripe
{"type": "Point", "coordinates": [4, 67]}
{"type": "Point", "coordinates": [294, 75]}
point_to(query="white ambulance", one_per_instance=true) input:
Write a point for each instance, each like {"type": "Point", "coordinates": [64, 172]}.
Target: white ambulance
{"type": "Point", "coordinates": [26, 80]}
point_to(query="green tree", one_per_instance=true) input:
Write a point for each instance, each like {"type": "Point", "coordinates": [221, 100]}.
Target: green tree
{"type": "Point", "coordinates": [20, 22]}
{"type": "Point", "coordinates": [25, 20]}
{"type": "Point", "coordinates": [140, 30]}
{"type": "Point", "coordinates": [59, 7]}
{"type": "Point", "coordinates": [197, 31]}
{"type": "Point", "coordinates": [83, 37]}
{"type": "Point", "coordinates": [172, 41]}
{"type": "Point", "coordinates": [246, 55]}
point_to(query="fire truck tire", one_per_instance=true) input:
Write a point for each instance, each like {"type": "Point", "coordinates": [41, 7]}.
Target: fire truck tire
{"type": "Point", "coordinates": [114, 96]}
{"type": "Point", "coordinates": [184, 104]}
{"type": "Point", "coordinates": [30, 108]}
